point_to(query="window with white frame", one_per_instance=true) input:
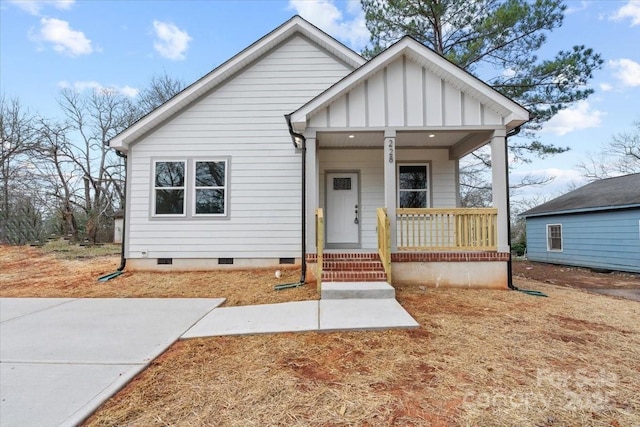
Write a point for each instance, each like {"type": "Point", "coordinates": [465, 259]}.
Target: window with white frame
{"type": "Point", "coordinates": [169, 188]}
{"type": "Point", "coordinates": [210, 187]}
{"type": "Point", "coordinates": [554, 237]}
{"type": "Point", "coordinates": [190, 188]}
{"type": "Point", "coordinates": [413, 186]}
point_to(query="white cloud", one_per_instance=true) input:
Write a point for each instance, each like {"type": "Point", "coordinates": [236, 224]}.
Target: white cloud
{"type": "Point", "coordinates": [509, 72]}
{"type": "Point", "coordinates": [325, 15]}
{"type": "Point", "coordinates": [605, 87]}
{"type": "Point", "coordinates": [627, 71]}
{"type": "Point", "coordinates": [630, 10]}
{"type": "Point", "coordinates": [172, 42]}
{"type": "Point", "coordinates": [577, 8]}
{"type": "Point", "coordinates": [82, 85]}
{"type": "Point", "coordinates": [35, 6]}
{"type": "Point", "coordinates": [580, 116]}
{"type": "Point", "coordinates": [562, 180]}
{"type": "Point", "coordinates": [64, 39]}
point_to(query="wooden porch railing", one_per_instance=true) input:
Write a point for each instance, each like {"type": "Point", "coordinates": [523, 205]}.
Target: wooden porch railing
{"type": "Point", "coordinates": [384, 241]}
{"type": "Point", "coordinates": [447, 229]}
{"type": "Point", "coordinates": [319, 245]}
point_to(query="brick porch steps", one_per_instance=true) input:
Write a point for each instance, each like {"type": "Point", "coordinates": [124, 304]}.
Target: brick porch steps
{"type": "Point", "coordinates": [351, 267]}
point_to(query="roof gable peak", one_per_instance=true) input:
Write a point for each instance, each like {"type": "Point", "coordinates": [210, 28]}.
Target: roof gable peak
{"type": "Point", "coordinates": [293, 26]}
{"type": "Point", "coordinates": [432, 61]}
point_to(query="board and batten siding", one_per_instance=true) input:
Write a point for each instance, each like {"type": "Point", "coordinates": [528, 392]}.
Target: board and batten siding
{"type": "Point", "coordinates": [370, 165]}
{"type": "Point", "coordinates": [242, 120]}
{"type": "Point", "coordinates": [405, 93]}
{"type": "Point", "coordinates": [606, 240]}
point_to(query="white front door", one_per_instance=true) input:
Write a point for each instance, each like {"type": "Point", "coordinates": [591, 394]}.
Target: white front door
{"type": "Point", "coordinates": [343, 212]}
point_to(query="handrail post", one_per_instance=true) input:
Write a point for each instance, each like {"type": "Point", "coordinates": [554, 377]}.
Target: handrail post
{"type": "Point", "coordinates": [384, 241]}
{"type": "Point", "coordinates": [319, 246]}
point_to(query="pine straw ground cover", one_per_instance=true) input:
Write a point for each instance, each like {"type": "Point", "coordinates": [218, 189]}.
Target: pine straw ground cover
{"type": "Point", "coordinates": [480, 357]}
{"type": "Point", "coordinates": [68, 271]}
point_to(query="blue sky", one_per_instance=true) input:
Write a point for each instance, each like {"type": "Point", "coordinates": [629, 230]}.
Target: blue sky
{"type": "Point", "coordinates": [85, 44]}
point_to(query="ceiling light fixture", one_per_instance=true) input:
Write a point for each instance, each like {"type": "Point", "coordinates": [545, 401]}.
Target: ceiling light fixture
{"type": "Point", "coordinates": [352, 136]}
{"type": "Point", "coordinates": [432, 135]}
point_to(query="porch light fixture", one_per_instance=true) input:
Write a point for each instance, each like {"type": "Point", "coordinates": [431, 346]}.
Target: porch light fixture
{"type": "Point", "coordinates": [352, 136]}
{"type": "Point", "coordinates": [432, 135]}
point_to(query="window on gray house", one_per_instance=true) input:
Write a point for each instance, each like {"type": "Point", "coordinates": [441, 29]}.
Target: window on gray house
{"type": "Point", "coordinates": [413, 186]}
{"type": "Point", "coordinates": [169, 188]}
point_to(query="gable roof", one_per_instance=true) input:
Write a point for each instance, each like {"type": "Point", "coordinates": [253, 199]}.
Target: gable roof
{"type": "Point", "coordinates": [610, 193]}
{"type": "Point", "coordinates": [295, 25]}
{"type": "Point", "coordinates": [514, 113]}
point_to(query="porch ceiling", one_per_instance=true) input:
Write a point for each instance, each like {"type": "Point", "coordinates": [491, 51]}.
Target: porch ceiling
{"type": "Point", "coordinates": [459, 142]}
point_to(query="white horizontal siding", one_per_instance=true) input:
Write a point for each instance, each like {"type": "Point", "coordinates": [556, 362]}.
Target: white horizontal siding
{"type": "Point", "coordinates": [406, 94]}
{"type": "Point", "coordinates": [242, 120]}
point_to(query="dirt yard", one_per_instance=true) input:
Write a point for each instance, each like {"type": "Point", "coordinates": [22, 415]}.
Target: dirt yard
{"type": "Point", "coordinates": [626, 285]}
{"type": "Point", "coordinates": [480, 357]}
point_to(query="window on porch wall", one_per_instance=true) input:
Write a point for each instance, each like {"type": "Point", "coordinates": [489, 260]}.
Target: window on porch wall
{"type": "Point", "coordinates": [420, 230]}
{"type": "Point", "coordinates": [413, 186]}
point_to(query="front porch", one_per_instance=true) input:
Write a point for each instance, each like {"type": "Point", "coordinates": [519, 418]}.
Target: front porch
{"type": "Point", "coordinates": [382, 150]}
{"type": "Point", "coordinates": [434, 247]}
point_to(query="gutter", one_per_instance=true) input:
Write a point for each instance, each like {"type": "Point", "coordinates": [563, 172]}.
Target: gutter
{"type": "Point", "coordinates": [511, 133]}
{"type": "Point", "coordinates": [300, 142]}
{"type": "Point", "coordinates": [510, 284]}
{"type": "Point", "coordinates": [123, 260]}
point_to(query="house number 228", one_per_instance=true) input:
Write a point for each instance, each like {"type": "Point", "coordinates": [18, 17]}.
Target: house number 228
{"type": "Point", "coordinates": [391, 151]}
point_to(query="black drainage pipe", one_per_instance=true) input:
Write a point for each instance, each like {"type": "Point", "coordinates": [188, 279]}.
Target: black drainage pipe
{"type": "Point", "coordinates": [510, 284]}
{"type": "Point", "coordinates": [300, 142]}
{"type": "Point", "coordinates": [123, 260]}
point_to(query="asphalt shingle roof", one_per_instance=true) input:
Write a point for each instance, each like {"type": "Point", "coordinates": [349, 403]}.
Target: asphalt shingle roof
{"type": "Point", "coordinates": [610, 192]}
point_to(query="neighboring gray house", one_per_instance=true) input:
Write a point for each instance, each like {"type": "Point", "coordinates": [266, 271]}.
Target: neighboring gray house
{"type": "Point", "coordinates": [214, 181]}
{"type": "Point", "coordinates": [595, 226]}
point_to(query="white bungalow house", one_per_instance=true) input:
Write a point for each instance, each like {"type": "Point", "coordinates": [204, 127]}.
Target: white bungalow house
{"type": "Point", "coordinates": [214, 181]}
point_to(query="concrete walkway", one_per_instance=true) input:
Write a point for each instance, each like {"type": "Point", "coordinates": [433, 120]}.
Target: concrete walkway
{"type": "Point", "coordinates": [61, 358]}
{"type": "Point", "coordinates": [323, 315]}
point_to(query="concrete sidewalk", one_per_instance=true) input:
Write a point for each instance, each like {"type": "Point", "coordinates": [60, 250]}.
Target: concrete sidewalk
{"type": "Point", "coordinates": [62, 358]}
{"type": "Point", "coordinates": [322, 315]}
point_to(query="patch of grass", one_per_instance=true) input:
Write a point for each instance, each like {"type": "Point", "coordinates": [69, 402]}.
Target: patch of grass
{"type": "Point", "coordinates": [65, 250]}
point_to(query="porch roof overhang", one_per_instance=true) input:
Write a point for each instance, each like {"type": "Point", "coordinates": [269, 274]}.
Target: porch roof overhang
{"type": "Point", "coordinates": [295, 25]}
{"type": "Point", "coordinates": [506, 113]}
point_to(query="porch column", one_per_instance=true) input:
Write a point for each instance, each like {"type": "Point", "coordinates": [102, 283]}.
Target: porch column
{"type": "Point", "coordinates": [313, 190]}
{"type": "Point", "coordinates": [499, 186]}
{"type": "Point", "coordinates": [389, 161]}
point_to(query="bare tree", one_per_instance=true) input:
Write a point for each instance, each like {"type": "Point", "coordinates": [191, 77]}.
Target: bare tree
{"type": "Point", "coordinates": [620, 156]}
{"type": "Point", "coordinates": [161, 88]}
{"type": "Point", "coordinates": [18, 139]}
{"type": "Point", "coordinates": [66, 170]}
{"type": "Point", "coordinates": [59, 176]}
{"type": "Point", "coordinates": [475, 179]}
{"type": "Point", "coordinates": [93, 120]}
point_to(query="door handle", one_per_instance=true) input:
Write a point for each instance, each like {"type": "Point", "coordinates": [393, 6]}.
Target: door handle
{"type": "Point", "coordinates": [355, 221]}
